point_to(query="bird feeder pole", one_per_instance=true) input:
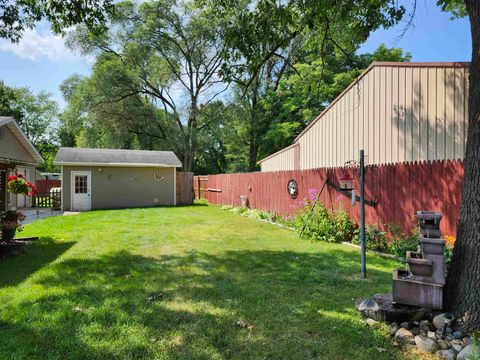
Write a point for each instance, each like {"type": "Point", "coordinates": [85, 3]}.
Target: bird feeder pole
{"type": "Point", "coordinates": [362, 215]}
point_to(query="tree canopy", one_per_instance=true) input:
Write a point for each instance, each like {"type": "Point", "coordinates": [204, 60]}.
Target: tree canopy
{"type": "Point", "coordinates": [17, 16]}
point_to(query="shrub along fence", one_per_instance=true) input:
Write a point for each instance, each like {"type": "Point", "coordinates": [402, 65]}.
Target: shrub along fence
{"type": "Point", "coordinates": [399, 191]}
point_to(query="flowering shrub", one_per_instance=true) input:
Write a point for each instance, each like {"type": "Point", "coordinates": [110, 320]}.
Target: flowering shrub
{"type": "Point", "coordinates": [17, 184]}
{"type": "Point", "coordinates": [450, 241]}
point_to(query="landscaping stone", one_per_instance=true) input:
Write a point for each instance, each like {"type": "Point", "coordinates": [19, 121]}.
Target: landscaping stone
{"type": "Point", "coordinates": [394, 328]}
{"type": "Point", "coordinates": [466, 353]}
{"type": "Point", "coordinates": [373, 323]}
{"type": "Point", "coordinates": [431, 335]}
{"type": "Point", "coordinates": [439, 321]}
{"type": "Point", "coordinates": [406, 325]}
{"type": "Point", "coordinates": [457, 347]}
{"type": "Point", "coordinates": [425, 325]}
{"type": "Point", "coordinates": [426, 344]}
{"type": "Point", "coordinates": [457, 335]}
{"type": "Point", "coordinates": [443, 345]}
{"type": "Point", "coordinates": [387, 311]}
{"type": "Point", "coordinates": [368, 304]}
{"type": "Point", "coordinates": [446, 354]}
{"type": "Point", "coordinates": [404, 336]}
{"type": "Point", "coordinates": [466, 341]}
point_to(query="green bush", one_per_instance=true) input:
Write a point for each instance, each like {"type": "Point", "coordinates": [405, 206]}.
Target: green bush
{"type": "Point", "coordinates": [261, 215]}
{"type": "Point", "coordinates": [239, 210]}
{"type": "Point", "coordinates": [401, 242]}
{"type": "Point", "coordinates": [344, 227]}
{"type": "Point", "coordinates": [323, 224]}
{"type": "Point", "coordinates": [375, 239]}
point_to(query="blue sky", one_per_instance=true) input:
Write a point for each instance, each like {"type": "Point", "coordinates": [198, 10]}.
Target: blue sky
{"type": "Point", "coordinates": [41, 61]}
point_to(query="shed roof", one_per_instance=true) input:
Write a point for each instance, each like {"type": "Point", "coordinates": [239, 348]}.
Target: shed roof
{"type": "Point", "coordinates": [116, 157]}
{"type": "Point", "coordinates": [21, 137]}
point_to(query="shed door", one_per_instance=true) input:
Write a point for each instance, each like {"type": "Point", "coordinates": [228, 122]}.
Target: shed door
{"type": "Point", "coordinates": [81, 190]}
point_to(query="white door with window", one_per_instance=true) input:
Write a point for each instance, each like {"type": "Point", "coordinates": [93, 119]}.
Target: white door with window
{"type": "Point", "coordinates": [81, 190]}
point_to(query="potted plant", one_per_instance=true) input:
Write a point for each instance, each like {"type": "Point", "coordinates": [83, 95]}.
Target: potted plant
{"type": "Point", "coordinates": [11, 223]}
{"type": "Point", "coordinates": [11, 220]}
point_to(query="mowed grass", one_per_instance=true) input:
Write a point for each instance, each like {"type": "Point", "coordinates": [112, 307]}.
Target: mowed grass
{"type": "Point", "coordinates": [172, 283]}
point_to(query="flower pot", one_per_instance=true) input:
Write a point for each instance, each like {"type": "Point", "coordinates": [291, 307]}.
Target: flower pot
{"type": "Point", "coordinates": [8, 234]}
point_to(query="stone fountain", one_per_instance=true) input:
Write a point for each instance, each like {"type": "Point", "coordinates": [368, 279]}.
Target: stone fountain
{"type": "Point", "coordinates": [422, 284]}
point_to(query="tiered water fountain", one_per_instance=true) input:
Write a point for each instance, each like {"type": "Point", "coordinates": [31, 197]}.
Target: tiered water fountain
{"type": "Point", "coordinates": [422, 284]}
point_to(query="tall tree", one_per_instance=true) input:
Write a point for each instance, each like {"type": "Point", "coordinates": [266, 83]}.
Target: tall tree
{"type": "Point", "coordinates": [163, 53]}
{"type": "Point", "coordinates": [462, 291]}
{"type": "Point", "coordinates": [265, 41]}
{"type": "Point", "coordinates": [36, 114]}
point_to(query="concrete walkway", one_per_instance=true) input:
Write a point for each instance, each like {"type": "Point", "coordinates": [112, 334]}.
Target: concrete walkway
{"type": "Point", "coordinates": [33, 214]}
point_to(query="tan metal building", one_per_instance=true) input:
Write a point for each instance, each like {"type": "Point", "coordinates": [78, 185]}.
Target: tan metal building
{"type": "Point", "coordinates": [108, 179]}
{"type": "Point", "coordinates": [396, 112]}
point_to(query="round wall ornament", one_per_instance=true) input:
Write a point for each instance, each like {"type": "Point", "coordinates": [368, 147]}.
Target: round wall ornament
{"type": "Point", "coordinates": [292, 188]}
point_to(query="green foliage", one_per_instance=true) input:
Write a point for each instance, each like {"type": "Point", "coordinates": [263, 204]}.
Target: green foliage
{"type": "Point", "coordinates": [37, 116]}
{"type": "Point", "coordinates": [156, 71]}
{"type": "Point", "coordinates": [16, 16]}
{"type": "Point", "coordinates": [456, 7]}
{"type": "Point", "coordinates": [401, 242]}
{"type": "Point", "coordinates": [375, 239]}
{"type": "Point", "coordinates": [319, 223]}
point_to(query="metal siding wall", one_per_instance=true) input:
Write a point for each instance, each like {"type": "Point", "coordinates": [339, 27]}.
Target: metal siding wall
{"type": "Point", "coordinates": [396, 113]}
{"type": "Point", "coordinates": [285, 160]}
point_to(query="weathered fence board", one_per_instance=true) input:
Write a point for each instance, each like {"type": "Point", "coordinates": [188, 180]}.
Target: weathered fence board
{"type": "Point", "coordinates": [200, 186]}
{"type": "Point", "coordinates": [184, 188]}
{"type": "Point", "coordinates": [400, 190]}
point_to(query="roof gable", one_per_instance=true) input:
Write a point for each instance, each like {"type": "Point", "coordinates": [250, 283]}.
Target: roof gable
{"type": "Point", "coordinates": [14, 130]}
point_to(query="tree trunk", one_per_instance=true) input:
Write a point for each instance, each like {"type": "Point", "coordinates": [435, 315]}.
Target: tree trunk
{"type": "Point", "coordinates": [252, 155]}
{"type": "Point", "coordinates": [462, 291]}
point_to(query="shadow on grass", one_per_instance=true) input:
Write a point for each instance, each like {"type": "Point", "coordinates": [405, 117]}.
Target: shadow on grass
{"type": "Point", "coordinates": [15, 269]}
{"type": "Point", "coordinates": [127, 306]}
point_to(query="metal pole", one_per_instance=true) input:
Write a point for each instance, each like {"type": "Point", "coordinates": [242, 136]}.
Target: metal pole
{"type": "Point", "coordinates": [362, 214]}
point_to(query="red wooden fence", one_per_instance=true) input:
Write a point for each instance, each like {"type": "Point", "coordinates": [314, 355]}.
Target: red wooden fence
{"type": "Point", "coordinates": [44, 186]}
{"type": "Point", "coordinates": [400, 190]}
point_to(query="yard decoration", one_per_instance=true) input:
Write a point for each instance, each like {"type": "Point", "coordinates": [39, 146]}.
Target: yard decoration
{"type": "Point", "coordinates": [16, 184]}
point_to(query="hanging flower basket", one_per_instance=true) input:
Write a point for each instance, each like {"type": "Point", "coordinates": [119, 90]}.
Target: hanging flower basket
{"type": "Point", "coordinates": [16, 184]}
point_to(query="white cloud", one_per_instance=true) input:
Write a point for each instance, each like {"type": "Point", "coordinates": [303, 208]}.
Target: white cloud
{"type": "Point", "coordinates": [36, 46]}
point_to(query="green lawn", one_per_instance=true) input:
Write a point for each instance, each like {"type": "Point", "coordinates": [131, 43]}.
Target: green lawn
{"type": "Point", "coordinates": [171, 283]}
